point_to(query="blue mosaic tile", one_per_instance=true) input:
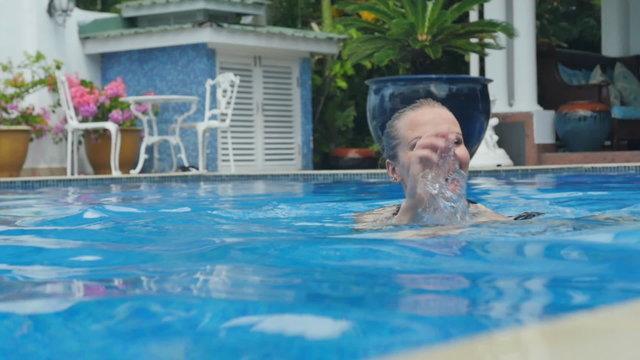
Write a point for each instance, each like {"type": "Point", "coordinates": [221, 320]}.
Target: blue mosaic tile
{"type": "Point", "coordinates": [307, 116]}
{"type": "Point", "coordinates": [173, 70]}
{"type": "Point", "coordinates": [183, 70]}
{"type": "Point", "coordinates": [308, 176]}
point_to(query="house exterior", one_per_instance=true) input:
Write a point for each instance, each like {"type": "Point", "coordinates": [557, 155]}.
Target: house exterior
{"type": "Point", "coordinates": [526, 130]}
{"type": "Point", "coordinates": [173, 47]}
{"type": "Point", "coordinates": [203, 37]}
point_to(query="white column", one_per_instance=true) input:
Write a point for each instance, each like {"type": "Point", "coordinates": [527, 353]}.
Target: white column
{"type": "Point", "coordinates": [615, 27]}
{"type": "Point", "coordinates": [634, 27]}
{"type": "Point", "coordinates": [525, 80]}
{"type": "Point", "coordinates": [496, 63]}
{"type": "Point", "coordinates": [474, 60]}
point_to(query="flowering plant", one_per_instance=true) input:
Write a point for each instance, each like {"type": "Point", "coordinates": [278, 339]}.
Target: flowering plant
{"type": "Point", "coordinates": [20, 80]}
{"type": "Point", "coordinates": [93, 104]}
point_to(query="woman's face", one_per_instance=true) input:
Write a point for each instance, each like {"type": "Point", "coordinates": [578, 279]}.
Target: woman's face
{"type": "Point", "coordinates": [421, 126]}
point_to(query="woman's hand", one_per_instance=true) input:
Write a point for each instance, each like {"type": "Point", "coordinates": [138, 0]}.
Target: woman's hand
{"type": "Point", "coordinates": [426, 153]}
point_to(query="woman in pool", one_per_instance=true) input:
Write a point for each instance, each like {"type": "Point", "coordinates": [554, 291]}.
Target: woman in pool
{"type": "Point", "coordinates": [425, 138]}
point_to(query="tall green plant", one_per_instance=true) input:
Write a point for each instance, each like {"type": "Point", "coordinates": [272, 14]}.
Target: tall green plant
{"type": "Point", "coordinates": [569, 23]}
{"type": "Point", "coordinates": [339, 107]}
{"type": "Point", "coordinates": [414, 34]}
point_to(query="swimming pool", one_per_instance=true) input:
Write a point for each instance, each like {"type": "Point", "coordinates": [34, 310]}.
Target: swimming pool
{"type": "Point", "coordinates": [271, 267]}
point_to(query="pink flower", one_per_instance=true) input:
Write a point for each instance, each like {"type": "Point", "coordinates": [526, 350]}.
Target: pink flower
{"type": "Point", "coordinates": [102, 99]}
{"type": "Point", "coordinates": [116, 116]}
{"type": "Point", "coordinates": [84, 100]}
{"type": "Point", "coordinates": [116, 88]}
{"type": "Point", "coordinates": [45, 113]}
{"type": "Point", "coordinates": [142, 108]}
{"type": "Point", "coordinates": [88, 110]}
{"type": "Point", "coordinates": [73, 81]}
{"type": "Point", "coordinates": [59, 127]}
{"type": "Point", "coordinates": [95, 104]}
{"type": "Point", "coordinates": [127, 115]}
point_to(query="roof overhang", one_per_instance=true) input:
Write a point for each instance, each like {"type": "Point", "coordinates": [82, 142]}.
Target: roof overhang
{"type": "Point", "coordinates": [163, 7]}
{"type": "Point", "coordinates": [241, 37]}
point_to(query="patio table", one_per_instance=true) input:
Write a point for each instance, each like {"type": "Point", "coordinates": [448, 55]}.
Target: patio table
{"type": "Point", "coordinates": [151, 134]}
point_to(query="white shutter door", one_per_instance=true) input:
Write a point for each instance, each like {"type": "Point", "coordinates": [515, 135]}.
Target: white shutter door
{"type": "Point", "coordinates": [280, 109]}
{"type": "Point", "coordinates": [265, 127]}
{"type": "Point", "coordinates": [243, 121]}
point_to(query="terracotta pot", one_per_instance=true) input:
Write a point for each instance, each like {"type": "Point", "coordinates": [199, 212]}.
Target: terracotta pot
{"type": "Point", "coordinates": [354, 158]}
{"type": "Point", "coordinates": [14, 145]}
{"type": "Point", "coordinates": [98, 148]}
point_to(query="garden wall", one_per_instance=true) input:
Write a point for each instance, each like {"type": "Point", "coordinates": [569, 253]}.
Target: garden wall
{"type": "Point", "coordinates": [27, 27]}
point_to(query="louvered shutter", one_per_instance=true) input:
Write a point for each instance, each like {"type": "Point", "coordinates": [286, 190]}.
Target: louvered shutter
{"type": "Point", "coordinates": [243, 121]}
{"type": "Point", "coordinates": [280, 114]}
{"type": "Point", "coordinates": [265, 126]}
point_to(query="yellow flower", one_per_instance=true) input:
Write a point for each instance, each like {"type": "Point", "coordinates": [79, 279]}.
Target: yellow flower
{"type": "Point", "coordinates": [367, 16]}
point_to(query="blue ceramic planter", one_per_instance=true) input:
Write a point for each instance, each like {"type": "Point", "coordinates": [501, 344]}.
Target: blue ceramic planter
{"type": "Point", "coordinates": [583, 125]}
{"type": "Point", "coordinates": [466, 96]}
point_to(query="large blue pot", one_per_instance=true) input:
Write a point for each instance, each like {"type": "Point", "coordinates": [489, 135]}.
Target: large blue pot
{"type": "Point", "coordinates": [583, 125]}
{"type": "Point", "coordinates": [466, 96]}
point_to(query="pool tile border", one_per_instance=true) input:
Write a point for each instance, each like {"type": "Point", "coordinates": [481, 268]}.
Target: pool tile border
{"type": "Point", "coordinates": [310, 176]}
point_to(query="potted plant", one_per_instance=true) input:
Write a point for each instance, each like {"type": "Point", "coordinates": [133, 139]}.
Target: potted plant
{"type": "Point", "coordinates": [412, 37]}
{"type": "Point", "coordinates": [20, 123]}
{"type": "Point", "coordinates": [93, 104]}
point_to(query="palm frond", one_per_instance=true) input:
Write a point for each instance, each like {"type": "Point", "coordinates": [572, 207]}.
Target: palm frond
{"type": "Point", "coordinates": [402, 29]}
{"type": "Point", "coordinates": [406, 30]}
{"type": "Point", "coordinates": [463, 7]}
{"type": "Point", "coordinates": [386, 55]}
{"type": "Point", "coordinates": [365, 47]}
{"type": "Point", "coordinates": [379, 8]}
{"type": "Point", "coordinates": [433, 15]}
{"type": "Point", "coordinates": [361, 25]}
{"type": "Point", "coordinates": [434, 51]}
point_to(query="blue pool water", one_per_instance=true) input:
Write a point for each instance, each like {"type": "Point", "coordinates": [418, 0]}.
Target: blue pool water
{"type": "Point", "coordinates": [274, 269]}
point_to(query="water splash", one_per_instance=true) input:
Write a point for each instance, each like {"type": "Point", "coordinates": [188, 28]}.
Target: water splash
{"type": "Point", "coordinates": [445, 187]}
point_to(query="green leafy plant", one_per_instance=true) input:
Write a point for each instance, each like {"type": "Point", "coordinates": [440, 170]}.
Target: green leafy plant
{"type": "Point", "coordinates": [414, 35]}
{"type": "Point", "coordinates": [569, 23]}
{"type": "Point", "coordinates": [20, 80]}
{"type": "Point", "coordinates": [339, 106]}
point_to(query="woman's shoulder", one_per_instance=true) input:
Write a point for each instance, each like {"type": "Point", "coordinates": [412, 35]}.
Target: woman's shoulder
{"type": "Point", "coordinates": [481, 213]}
{"type": "Point", "coordinates": [375, 219]}
{"type": "Point", "coordinates": [382, 217]}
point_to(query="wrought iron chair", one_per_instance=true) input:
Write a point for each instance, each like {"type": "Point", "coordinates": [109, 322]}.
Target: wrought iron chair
{"type": "Point", "coordinates": [74, 127]}
{"type": "Point", "coordinates": [218, 117]}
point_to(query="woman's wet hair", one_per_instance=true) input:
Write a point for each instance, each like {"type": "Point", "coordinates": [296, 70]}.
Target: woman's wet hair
{"type": "Point", "coordinates": [391, 138]}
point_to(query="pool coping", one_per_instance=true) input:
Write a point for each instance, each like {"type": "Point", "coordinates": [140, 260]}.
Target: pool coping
{"type": "Point", "coordinates": [603, 332]}
{"type": "Point", "coordinates": [306, 175]}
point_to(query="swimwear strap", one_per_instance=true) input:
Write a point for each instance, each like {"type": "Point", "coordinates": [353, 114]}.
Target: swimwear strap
{"type": "Point", "coordinates": [527, 215]}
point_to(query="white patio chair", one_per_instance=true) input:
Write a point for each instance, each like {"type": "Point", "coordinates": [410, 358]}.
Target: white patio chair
{"type": "Point", "coordinates": [218, 117]}
{"type": "Point", "coordinates": [74, 128]}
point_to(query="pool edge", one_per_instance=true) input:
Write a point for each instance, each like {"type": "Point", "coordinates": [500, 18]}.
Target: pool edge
{"type": "Point", "coordinates": [306, 175]}
{"type": "Point", "coordinates": [600, 333]}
